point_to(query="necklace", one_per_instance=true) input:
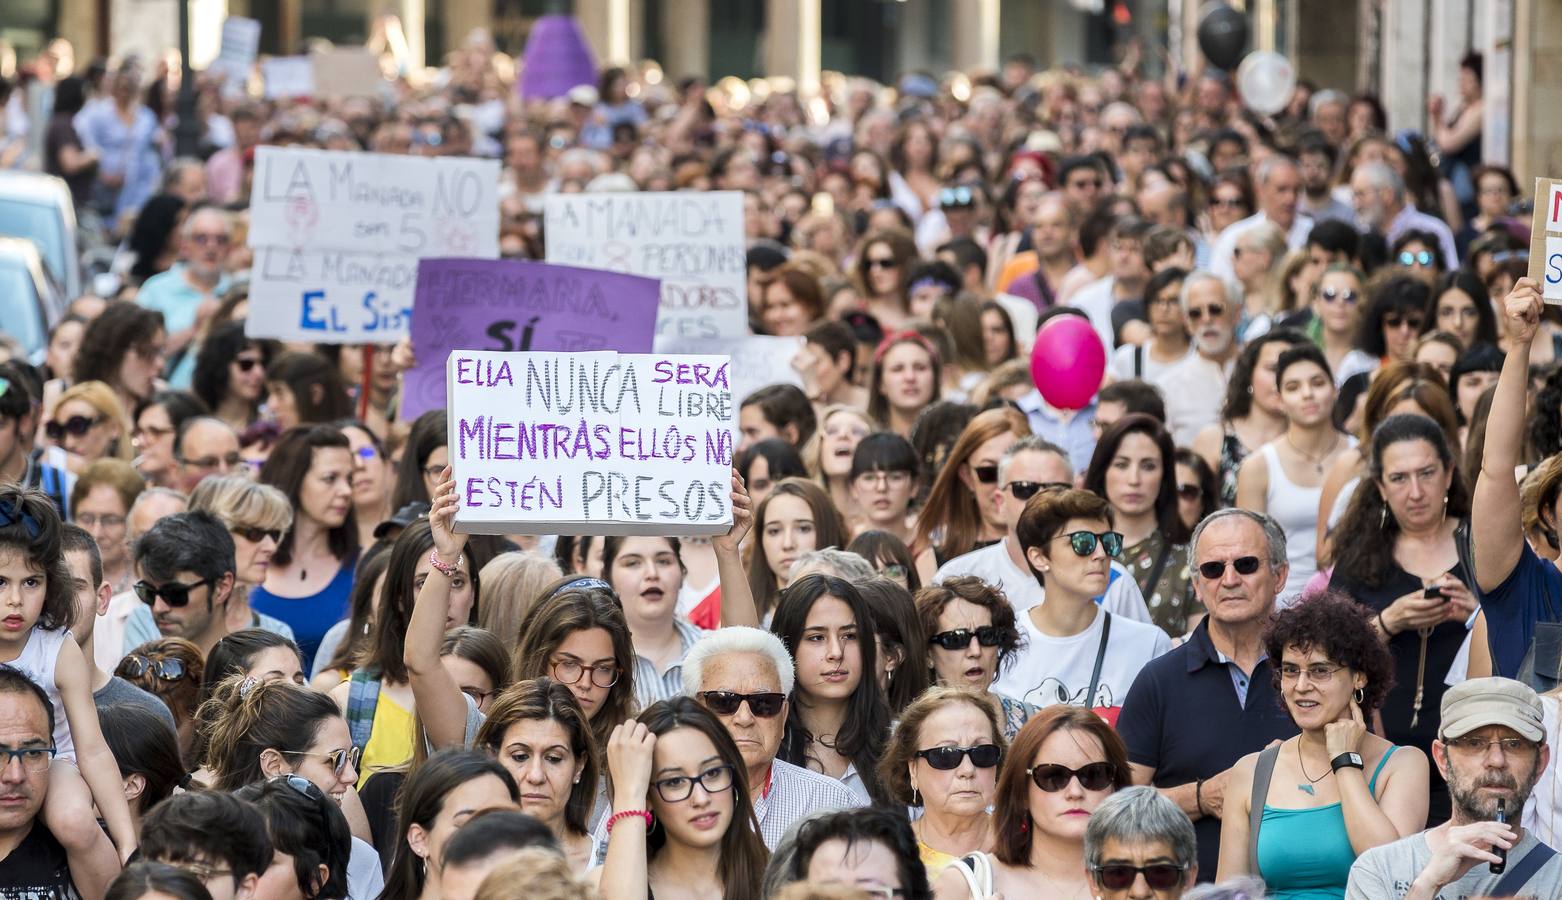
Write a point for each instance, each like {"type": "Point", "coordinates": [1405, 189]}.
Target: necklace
{"type": "Point", "coordinates": [1308, 787]}
{"type": "Point", "coordinates": [1317, 461]}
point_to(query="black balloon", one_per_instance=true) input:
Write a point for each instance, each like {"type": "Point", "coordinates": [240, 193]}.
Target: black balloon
{"type": "Point", "coordinates": [1223, 36]}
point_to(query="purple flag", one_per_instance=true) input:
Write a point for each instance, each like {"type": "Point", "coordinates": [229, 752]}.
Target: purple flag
{"type": "Point", "coordinates": [556, 59]}
{"type": "Point", "coordinates": [500, 304]}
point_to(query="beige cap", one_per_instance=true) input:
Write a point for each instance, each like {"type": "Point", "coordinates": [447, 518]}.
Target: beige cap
{"type": "Point", "coordinates": [1480, 702]}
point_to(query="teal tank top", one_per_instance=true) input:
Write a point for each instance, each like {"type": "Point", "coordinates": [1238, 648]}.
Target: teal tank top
{"type": "Point", "coordinates": [1305, 854]}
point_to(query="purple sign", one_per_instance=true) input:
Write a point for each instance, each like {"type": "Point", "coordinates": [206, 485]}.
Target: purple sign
{"type": "Point", "coordinates": [500, 304]}
{"type": "Point", "coordinates": [556, 59]}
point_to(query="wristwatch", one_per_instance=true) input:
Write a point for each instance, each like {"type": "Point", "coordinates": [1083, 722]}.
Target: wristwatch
{"type": "Point", "coordinates": [1346, 760]}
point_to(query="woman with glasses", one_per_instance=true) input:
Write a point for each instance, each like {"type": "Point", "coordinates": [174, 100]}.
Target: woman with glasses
{"type": "Point", "coordinates": [169, 668]}
{"type": "Point", "coordinates": [1075, 651]}
{"type": "Point", "coordinates": [676, 766]}
{"type": "Point", "coordinates": [1134, 468]}
{"type": "Point", "coordinates": [971, 637]}
{"type": "Point", "coordinates": [962, 510]}
{"type": "Point", "coordinates": [440, 796]}
{"type": "Point", "coordinates": [230, 374]}
{"type": "Point", "coordinates": [1396, 554]}
{"type": "Point", "coordinates": [256, 516]}
{"type": "Point", "coordinates": [1285, 478]}
{"type": "Point", "coordinates": [1198, 494]}
{"type": "Point", "coordinates": [1169, 342]}
{"type": "Point", "coordinates": [1393, 319]}
{"type": "Point", "coordinates": [1138, 837]}
{"type": "Point", "coordinates": [157, 419]}
{"type": "Point", "coordinates": [263, 729]}
{"type": "Point", "coordinates": [1419, 255]}
{"type": "Point", "coordinates": [89, 424]}
{"type": "Point", "coordinates": [796, 518]}
{"type": "Point", "coordinates": [883, 479]}
{"type": "Point", "coordinates": [1230, 201]}
{"type": "Point", "coordinates": [373, 478]}
{"type": "Point", "coordinates": [882, 277]}
{"type": "Point", "coordinates": [829, 455]}
{"type": "Point", "coordinates": [1061, 766]}
{"type": "Point", "coordinates": [100, 503]}
{"type": "Point", "coordinates": [889, 556]}
{"type": "Point", "coordinates": [905, 379]}
{"type": "Point", "coordinates": [943, 758]}
{"type": "Point", "coordinates": [1251, 415]}
{"type": "Point", "coordinates": [1336, 790]}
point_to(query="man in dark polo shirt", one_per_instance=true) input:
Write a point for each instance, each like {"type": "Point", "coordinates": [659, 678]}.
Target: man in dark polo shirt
{"type": "Point", "coordinates": [33, 865]}
{"type": "Point", "coordinates": [1195, 711]}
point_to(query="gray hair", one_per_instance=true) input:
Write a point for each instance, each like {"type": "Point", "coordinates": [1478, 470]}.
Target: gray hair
{"type": "Point", "coordinates": [832, 561]}
{"type": "Point", "coordinates": [1031, 444]}
{"type": "Point", "coordinates": [1382, 175]}
{"type": "Point", "coordinates": [1274, 535]}
{"type": "Point", "coordinates": [1242, 887]}
{"type": "Point", "coordinates": [1139, 814]}
{"type": "Point", "coordinates": [212, 212]}
{"type": "Point", "coordinates": [1201, 276]}
{"type": "Point", "coordinates": [1324, 98]}
{"type": "Point", "coordinates": [147, 496]}
{"type": "Point", "coordinates": [736, 639]}
{"type": "Point", "coordinates": [1271, 164]}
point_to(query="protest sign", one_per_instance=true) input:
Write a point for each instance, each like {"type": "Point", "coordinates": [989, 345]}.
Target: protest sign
{"type": "Point", "coordinates": [1545, 242]}
{"type": "Point", "coordinates": [693, 242]}
{"type": "Point", "coordinates": [337, 237]}
{"type": "Point", "coordinates": [288, 76]}
{"type": "Point", "coordinates": [480, 304]}
{"type": "Point", "coordinates": [342, 72]}
{"type": "Point", "coordinates": [236, 57]}
{"type": "Point", "coordinates": [590, 443]}
{"type": "Point", "coordinates": [757, 360]}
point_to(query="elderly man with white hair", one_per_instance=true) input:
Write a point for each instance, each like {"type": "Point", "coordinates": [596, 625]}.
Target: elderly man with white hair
{"type": "Point", "coordinates": [1195, 388]}
{"type": "Point", "coordinates": [1378, 193]}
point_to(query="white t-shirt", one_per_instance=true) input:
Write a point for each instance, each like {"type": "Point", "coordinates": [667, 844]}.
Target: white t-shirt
{"type": "Point", "coordinates": [1096, 301]}
{"type": "Point", "coordinates": [993, 565]}
{"type": "Point", "coordinates": [1121, 365]}
{"type": "Point", "coordinates": [1194, 390]}
{"type": "Point", "coordinates": [1047, 670]}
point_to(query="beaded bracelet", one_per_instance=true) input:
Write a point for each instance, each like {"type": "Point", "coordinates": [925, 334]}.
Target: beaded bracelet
{"type": "Point", "coordinates": [627, 814]}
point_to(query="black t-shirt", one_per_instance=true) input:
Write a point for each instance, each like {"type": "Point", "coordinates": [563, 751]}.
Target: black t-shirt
{"type": "Point", "coordinates": [62, 134]}
{"type": "Point", "coordinates": [37, 869]}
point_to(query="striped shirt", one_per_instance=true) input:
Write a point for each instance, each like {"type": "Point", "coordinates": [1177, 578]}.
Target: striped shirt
{"type": "Point", "coordinates": [651, 685]}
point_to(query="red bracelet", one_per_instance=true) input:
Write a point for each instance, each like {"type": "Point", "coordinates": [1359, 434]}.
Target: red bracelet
{"type": "Point", "coordinates": [628, 814]}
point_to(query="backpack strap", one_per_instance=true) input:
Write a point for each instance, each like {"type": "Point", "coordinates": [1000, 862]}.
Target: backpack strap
{"type": "Point", "coordinates": [363, 698]}
{"type": "Point", "coordinates": [1263, 771]}
{"type": "Point", "coordinates": [1522, 871]}
{"type": "Point", "coordinates": [1138, 360]}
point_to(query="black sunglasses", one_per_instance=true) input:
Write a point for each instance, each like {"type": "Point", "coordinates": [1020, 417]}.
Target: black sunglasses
{"type": "Point", "coordinates": [1214, 311]}
{"type": "Point", "coordinates": [246, 364]}
{"type": "Point", "coordinates": [983, 756]}
{"type": "Point", "coordinates": [1189, 491]}
{"type": "Point", "coordinates": [985, 474]}
{"type": "Point", "coordinates": [255, 534]}
{"type": "Point", "coordinates": [1024, 490]}
{"type": "Point", "coordinates": [1083, 543]}
{"type": "Point", "coordinates": [1120, 876]}
{"type": "Point", "coordinates": [725, 703]}
{"type": "Point", "coordinates": [76, 426]}
{"type": "Point", "coordinates": [1053, 778]}
{"type": "Point", "coordinates": [960, 638]}
{"type": "Point", "coordinates": [174, 594]}
{"type": "Point", "coordinates": [882, 263]}
{"type": "Point", "coordinates": [1245, 565]}
{"type": "Point", "coordinates": [167, 669]}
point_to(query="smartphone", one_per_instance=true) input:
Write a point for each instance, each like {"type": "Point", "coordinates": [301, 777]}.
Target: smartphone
{"type": "Point", "coordinates": [1435, 591]}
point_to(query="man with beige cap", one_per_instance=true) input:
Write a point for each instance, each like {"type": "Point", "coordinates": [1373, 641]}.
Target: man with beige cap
{"type": "Point", "coordinates": [1491, 748]}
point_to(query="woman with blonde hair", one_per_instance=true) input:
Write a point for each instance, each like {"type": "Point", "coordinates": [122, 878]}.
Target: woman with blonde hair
{"type": "Point", "coordinates": [515, 582]}
{"type": "Point", "coordinates": [256, 516]}
{"type": "Point", "coordinates": [90, 423]}
{"type": "Point", "coordinates": [961, 513]}
{"type": "Point", "coordinates": [828, 454]}
{"type": "Point", "coordinates": [100, 503]}
{"type": "Point", "coordinates": [1254, 261]}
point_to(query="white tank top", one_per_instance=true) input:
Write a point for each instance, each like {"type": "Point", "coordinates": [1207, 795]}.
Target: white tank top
{"type": "Point", "coordinates": [1296, 509]}
{"type": "Point", "coordinates": [37, 661]}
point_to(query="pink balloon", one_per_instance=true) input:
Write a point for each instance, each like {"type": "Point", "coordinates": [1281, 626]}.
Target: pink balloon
{"type": "Point", "coordinates": [1067, 362]}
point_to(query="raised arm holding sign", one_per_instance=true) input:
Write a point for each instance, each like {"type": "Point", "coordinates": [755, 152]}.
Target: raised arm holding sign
{"type": "Point", "coordinates": [1545, 241]}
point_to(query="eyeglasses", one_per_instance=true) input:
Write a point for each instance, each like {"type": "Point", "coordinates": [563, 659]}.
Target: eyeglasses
{"type": "Point", "coordinates": [1189, 492]}
{"type": "Point", "coordinates": [340, 760]}
{"type": "Point", "coordinates": [92, 520]}
{"type": "Point", "coordinates": [1214, 311]}
{"type": "Point", "coordinates": [1024, 490]}
{"type": "Point", "coordinates": [678, 788]}
{"type": "Point", "coordinates": [1481, 746]}
{"type": "Point", "coordinates": [956, 196]}
{"type": "Point", "coordinates": [983, 756]}
{"type": "Point", "coordinates": [1164, 300]}
{"type": "Point", "coordinates": [882, 263]}
{"type": "Point", "coordinates": [985, 474]}
{"type": "Point", "coordinates": [882, 479]}
{"type": "Point", "coordinates": [960, 638]}
{"type": "Point", "coordinates": [227, 460]}
{"type": "Point", "coordinates": [568, 671]}
{"type": "Point", "coordinates": [1228, 203]}
{"type": "Point", "coordinates": [33, 759]}
{"type": "Point", "coordinates": [75, 426]}
{"type": "Point", "coordinates": [1120, 876]}
{"type": "Point", "coordinates": [1421, 258]}
{"type": "Point", "coordinates": [1245, 565]}
{"type": "Point", "coordinates": [1053, 778]}
{"type": "Point", "coordinates": [247, 363]}
{"type": "Point", "coordinates": [217, 240]}
{"type": "Point", "coordinates": [255, 534]}
{"type": "Point", "coordinates": [478, 697]}
{"type": "Point", "coordinates": [1346, 295]}
{"type": "Point", "coordinates": [433, 472]}
{"type": "Point", "coordinates": [166, 669]}
{"type": "Point", "coordinates": [1316, 673]}
{"type": "Point", "coordinates": [725, 703]}
{"type": "Point", "coordinates": [1411, 322]}
{"type": "Point", "coordinates": [1083, 543]}
{"type": "Point", "coordinates": [174, 594]}
{"type": "Point", "coordinates": [140, 436]}
{"type": "Point", "coordinates": [894, 572]}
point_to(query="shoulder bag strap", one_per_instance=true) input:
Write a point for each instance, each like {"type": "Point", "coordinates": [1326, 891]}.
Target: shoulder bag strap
{"type": "Point", "coordinates": [1513, 880]}
{"type": "Point", "coordinates": [1262, 772]}
{"type": "Point", "coordinates": [1095, 673]}
{"type": "Point", "coordinates": [977, 874]}
{"type": "Point", "coordinates": [1138, 360]}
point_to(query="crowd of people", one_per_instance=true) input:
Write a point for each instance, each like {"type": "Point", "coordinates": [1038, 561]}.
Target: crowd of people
{"type": "Point", "coordinates": [1269, 615]}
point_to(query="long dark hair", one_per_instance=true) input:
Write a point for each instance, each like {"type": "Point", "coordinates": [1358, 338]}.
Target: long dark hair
{"type": "Point", "coordinates": [896, 622]}
{"type": "Point", "coordinates": [565, 608]}
{"type": "Point", "coordinates": [1239, 391]}
{"type": "Point", "coordinates": [123, 327]}
{"type": "Point", "coordinates": [741, 865]}
{"type": "Point", "coordinates": [427, 435]}
{"type": "Point", "coordinates": [143, 743]}
{"type": "Point", "coordinates": [286, 468]}
{"type": "Point", "coordinates": [148, 877]}
{"type": "Point", "coordinates": [361, 603]}
{"type": "Point", "coordinates": [220, 348]}
{"type": "Point", "coordinates": [305, 373]}
{"type": "Point", "coordinates": [1366, 535]}
{"type": "Point", "coordinates": [1469, 281]}
{"type": "Point", "coordinates": [866, 727]}
{"type": "Point", "coordinates": [1167, 515]}
{"type": "Point", "coordinates": [829, 531]}
{"type": "Point", "coordinates": [420, 801]}
{"type": "Point", "coordinates": [382, 654]}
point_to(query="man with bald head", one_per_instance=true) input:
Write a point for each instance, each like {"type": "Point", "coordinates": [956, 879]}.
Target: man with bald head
{"type": "Point", "coordinates": [204, 446]}
{"type": "Point", "coordinates": [191, 291]}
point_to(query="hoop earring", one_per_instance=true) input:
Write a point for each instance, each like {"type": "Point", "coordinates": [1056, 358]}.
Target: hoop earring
{"type": "Point", "coordinates": [1358, 695]}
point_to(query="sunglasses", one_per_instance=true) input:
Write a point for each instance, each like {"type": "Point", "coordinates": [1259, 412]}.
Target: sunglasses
{"type": "Point", "coordinates": [231, 460]}
{"type": "Point", "coordinates": [1083, 543]}
{"type": "Point", "coordinates": [957, 196]}
{"type": "Point", "coordinates": [960, 638]}
{"type": "Point", "coordinates": [76, 426]}
{"type": "Point", "coordinates": [1412, 322]}
{"type": "Point", "coordinates": [174, 594]}
{"type": "Point", "coordinates": [246, 364]}
{"type": "Point", "coordinates": [1245, 565]}
{"type": "Point", "coordinates": [725, 703]}
{"type": "Point", "coordinates": [983, 756]}
{"type": "Point", "coordinates": [1053, 778]}
{"type": "Point", "coordinates": [1189, 491]}
{"type": "Point", "coordinates": [1229, 203]}
{"type": "Point", "coordinates": [882, 263]}
{"type": "Point", "coordinates": [167, 669]}
{"type": "Point", "coordinates": [1084, 184]}
{"type": "Point", "coordinates": [1024, 490]}
{"type": "Point", "coordinates": [255, 534]}
{"type": "Point", "coordinates": [985, 474]}
{"type": "Point", "coordinates": [339, 760]}
{"type": "Point", "coordinates": [1329, 295]}
{"type": "Point", "coordinates": [1422, 258]}
{"type": "Point", "coordinates": [1214, 311]}
{"type": "Point", "coordinates": [1120, 876]}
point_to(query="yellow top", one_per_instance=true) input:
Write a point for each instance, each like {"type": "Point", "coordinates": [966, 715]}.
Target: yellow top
{"type": "Point", "coordinates": [390, 739]}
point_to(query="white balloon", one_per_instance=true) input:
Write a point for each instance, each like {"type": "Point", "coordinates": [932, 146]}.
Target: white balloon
{"type": "Point", "coordinates": [1266, 81]}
